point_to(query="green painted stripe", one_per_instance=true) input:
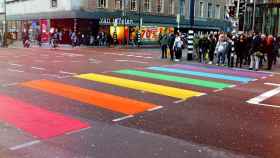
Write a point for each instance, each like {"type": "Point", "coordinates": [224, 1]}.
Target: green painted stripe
{"type": "Point", "coordinates": [184, 80]}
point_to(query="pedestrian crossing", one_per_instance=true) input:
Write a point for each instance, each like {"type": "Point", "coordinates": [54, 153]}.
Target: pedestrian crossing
{"type": "Point", "coordinates": [184, 75]}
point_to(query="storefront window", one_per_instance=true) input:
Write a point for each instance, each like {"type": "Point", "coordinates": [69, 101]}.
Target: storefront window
{"type": "Point", "coordinates": [218, 11]}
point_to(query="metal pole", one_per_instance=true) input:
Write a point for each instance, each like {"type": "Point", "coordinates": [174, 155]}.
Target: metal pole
{"type": "Point", "coordinates": [123, 15]}
{"type": "Point", "coordinates": [4, 44]}
{"type": "Point", "coordinates": [244, 19]}
{"type": "Point", "coordinates": [254, 16]}
{"type": "Point", "coordinates": [139, 19]}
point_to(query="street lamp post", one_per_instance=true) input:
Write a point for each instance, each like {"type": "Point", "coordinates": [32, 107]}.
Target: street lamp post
{"type": "Point", "coordinates": [139, 24]}
{"type": "Point", "coordinates": [4, 41]}
{"type": "Point", "coordinates": [254, 16]}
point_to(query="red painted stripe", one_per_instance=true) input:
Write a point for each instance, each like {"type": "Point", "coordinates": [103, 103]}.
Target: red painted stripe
{"type": "Point", "coordinates": [38, 122]}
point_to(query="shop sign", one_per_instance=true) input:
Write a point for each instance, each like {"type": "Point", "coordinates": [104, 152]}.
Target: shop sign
{"type": "Point", "coordinates": [115, 21]}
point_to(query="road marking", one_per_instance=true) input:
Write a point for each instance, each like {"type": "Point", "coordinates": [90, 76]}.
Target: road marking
{"type": "Point", "coordinates": [156, 108]}
{"type": "Point", "coordinates": [40, 123]}
{"type": "Point", "coordinates": [218, 90]}
{"type": "Point", "coordinates": [139, 56]}
{"type": "Point", "coordinates": [176, 79]}
{"type": "Point", "coordinates": [14, 70]}
{"type": "Point", "coordinates": [16, 65]}
{"type": "Point", "coordinates": [132, 61]}
{"type": "Point", "coordinates": [75, 61]}
{"type": "Point", "coordinates": [38, 68]}
{"type": "Point", "coordinates": [142, 86]}
{"type": "Point", "coordinates": [264, 77]}
{"type": "Point", "coordinates": [69, 73]}
{"type": "Point", "coordinates": [264, 96]}
{"type": "Point", "coordinates": [202, 74]}
{"type": "Point", "coordinates": [57, 61]}
{"type": "Point", "coordinates": [10, 84]}
{"type": "Point", "coordinates": [71, 55]}
{"type": "Point", "coordinates": [123, 118]}
{"type": "Point", "coordinates": [78, 131]}
{"type": "Point", "coordinates": [179, 101]}
{"type": "Point", "coordinates": [24, 145]}
{"type": "Point", "coordinates": [91, 97]}
{"type": "Point", "coordinates": [272, 84]}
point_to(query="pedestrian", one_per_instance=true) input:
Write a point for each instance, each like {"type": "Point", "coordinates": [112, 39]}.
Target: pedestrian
{"type": "Point", "coordinates": [255, 52]}
{"type": "Point", "coordinates": [178, 43]}
{"type": "Point", "coordinates": [74, 39]}
{"type": "Point", "coordinates": [163, 44]}
{"type": "Point", "coordinates": [203, 44]}
{"type": "Point", "coordinates": [212, 45]}
{"type": "Point", "coordinates": [240, 49]}
{"type": "Point", "coordinates": [221, 49]}
{"type": "Point", "coordinates": [171, 40]}
{"type": "Point", "coordinates": [270, 51]}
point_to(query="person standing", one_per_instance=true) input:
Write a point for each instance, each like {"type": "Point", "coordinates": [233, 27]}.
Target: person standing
{"type": "Point", "coordinates": [163, 43]}
{"type": "Point", "coordinates": [240, 49]}
{"type": "Point", "coordinates": [171, 40]}
{"type": "Point", "coordinates": [212, 45]}
{"type": "Point", "coordinates": [221, 49]}
{"type": "Point", "coordinates": [203, 44]}
{"type": "Point", "coordinates": [178, 43]}
{"type": "Point", "coordinates": [270, 51]}
{"type": "Point", "coordinates": [255, 51]}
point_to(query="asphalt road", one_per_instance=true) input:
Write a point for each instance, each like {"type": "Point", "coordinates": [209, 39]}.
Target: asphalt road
{"type": "Point", "coordinates": [116, 103]}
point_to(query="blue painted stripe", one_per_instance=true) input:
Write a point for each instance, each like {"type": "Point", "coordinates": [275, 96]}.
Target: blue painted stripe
{"type": "Point", "coordinates": [203, 74]}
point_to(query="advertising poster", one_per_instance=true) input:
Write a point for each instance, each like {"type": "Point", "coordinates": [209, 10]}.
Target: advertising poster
{"type": "Point", "coordinates": [44, 30]}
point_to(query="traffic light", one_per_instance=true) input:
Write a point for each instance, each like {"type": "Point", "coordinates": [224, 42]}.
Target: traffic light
{"type": "Point", "coordinates": [115, 37]}
{"type": "Point", "coordinates": [138, 36]}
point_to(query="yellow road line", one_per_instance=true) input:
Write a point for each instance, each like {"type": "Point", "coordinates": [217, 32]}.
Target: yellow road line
{"type": "Point", "coordinates": [142, 86]}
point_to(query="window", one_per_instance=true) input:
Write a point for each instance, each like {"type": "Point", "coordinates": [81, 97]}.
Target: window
{"type": "Point", "coordinates": [133, 5]}
{"type": "Point", "coordinates": [53, 3]}
{"type": "Point", "coordinates": [147, 5]}
{"type": "Point", "coordinates": [171, 7]}
{"type": "Point", "coordinates": [210, 10]}
{"type": "Point", "coordinates": [101, 4]}
{"type": "Point", "coordinates": [201, 9]}
{"type": "Point", "coordinates": [218, 11]}
{"type": "Point", "coordinates": [159, 6]}
{"type": "Point", "coordinates": [118, 4]}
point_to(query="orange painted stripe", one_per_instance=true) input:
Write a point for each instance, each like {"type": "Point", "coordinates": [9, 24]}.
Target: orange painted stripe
{"type": "Point", "coordinates": [103, 100]}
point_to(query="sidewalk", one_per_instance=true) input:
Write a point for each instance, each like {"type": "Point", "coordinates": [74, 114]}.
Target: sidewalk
{"type": "Point", "coordinates": [18, 44]}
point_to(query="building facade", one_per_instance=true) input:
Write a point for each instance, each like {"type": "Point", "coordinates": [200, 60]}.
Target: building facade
{"type": "Point", "coordinates": [123, 17]}
{"type": "Point", "coordinates": [266, 16]}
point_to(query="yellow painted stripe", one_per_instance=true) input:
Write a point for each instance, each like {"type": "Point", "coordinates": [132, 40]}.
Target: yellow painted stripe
{"type": "Point", "coordinates": [142, 86]}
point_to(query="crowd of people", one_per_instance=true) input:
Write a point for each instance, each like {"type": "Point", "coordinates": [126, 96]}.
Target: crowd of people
{"type": "Point", "coordinates": [224, 49]}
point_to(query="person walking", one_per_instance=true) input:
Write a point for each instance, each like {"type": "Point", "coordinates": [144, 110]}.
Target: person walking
{"type": "Point", "coordinates": [171, 40]}
{"type": "Point", "coordinates": [164, 43]}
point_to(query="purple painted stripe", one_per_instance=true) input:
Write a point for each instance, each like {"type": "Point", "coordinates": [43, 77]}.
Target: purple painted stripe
{"type": "Point", "coordinates": [261, 74]}
{"type": "Point", "coordinates": [225, 71]}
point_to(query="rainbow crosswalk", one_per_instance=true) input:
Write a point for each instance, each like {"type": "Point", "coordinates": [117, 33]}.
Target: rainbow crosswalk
{"type": "Point", "coordinates": [184, 82]}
